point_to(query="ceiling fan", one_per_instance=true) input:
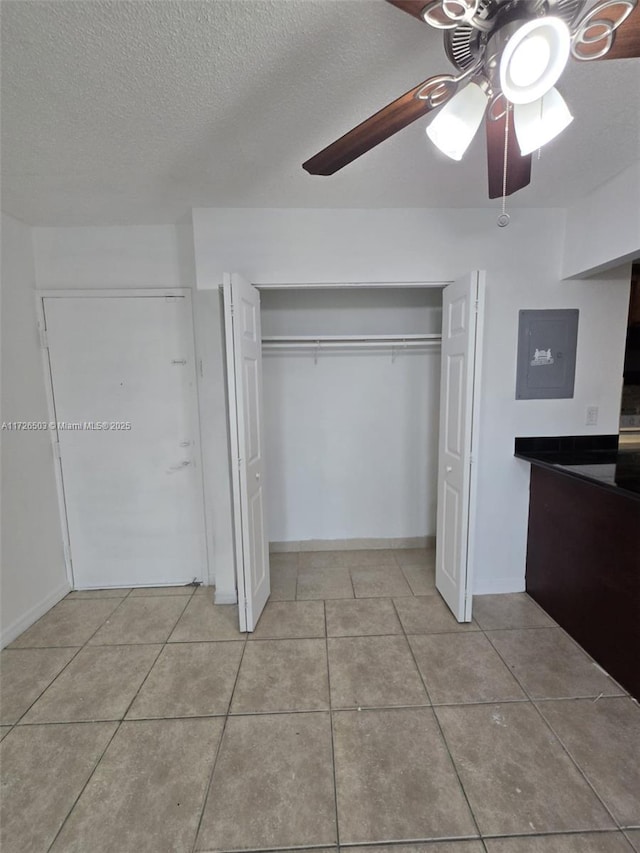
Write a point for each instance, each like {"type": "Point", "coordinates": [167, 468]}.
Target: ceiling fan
{"type": "Point", "coordinates": [509, 54]}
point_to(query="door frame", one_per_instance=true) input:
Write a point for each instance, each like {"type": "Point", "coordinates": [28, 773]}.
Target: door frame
{"type": "Point", "coordinates": [117, 293]}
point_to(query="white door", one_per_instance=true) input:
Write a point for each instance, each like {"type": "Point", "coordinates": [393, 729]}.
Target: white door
{"type": "Point", "coordinates": [244, 377]}
{"type": "Point", "coordinates": [462, 314]}
{"type": "Point", "coordinates": [123, 379]}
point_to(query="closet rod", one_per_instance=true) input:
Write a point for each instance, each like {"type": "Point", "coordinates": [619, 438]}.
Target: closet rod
{"type": "Point", "coordinates": [365, 343]}
{"type": "Point", "coordinates": [349, 339]}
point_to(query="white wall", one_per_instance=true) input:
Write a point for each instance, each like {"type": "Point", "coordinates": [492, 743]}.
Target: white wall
{"type": "Point", "coordinates": [603, 229]}
{"type": "Point", "coordinates": [32, 574]}
{"type": "Point", "coordinates": [155, 256]}
{"type": "Point", "coordinates": [351, 436]}
{"type": "Point", "coordinates": [523, 265]}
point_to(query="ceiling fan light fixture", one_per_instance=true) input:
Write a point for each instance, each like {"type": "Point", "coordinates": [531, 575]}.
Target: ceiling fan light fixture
{"type": "Point", "coordinates": [533, 59]}
{"type": "Point", "coordinates": [458, 121]}
{"type": "Point", "coordinates": [541, 121]}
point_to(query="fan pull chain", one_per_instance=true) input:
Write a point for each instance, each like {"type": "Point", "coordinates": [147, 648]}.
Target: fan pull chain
{"type": "Point", "coordinates": [503, 219]}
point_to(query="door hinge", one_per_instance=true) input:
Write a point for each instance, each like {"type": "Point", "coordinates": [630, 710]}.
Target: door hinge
{"type": "Point", "coordinates": [67, 554]}
{"type": "Point", "coordinates": [56, 450]}
{"type": "Point", "coordinates": [239, 463]}
{"type": "Point", "coordinates": [44, 340]}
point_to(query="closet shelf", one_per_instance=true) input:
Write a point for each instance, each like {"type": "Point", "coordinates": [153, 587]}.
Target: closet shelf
{"type": "Point", "coordinates": [316, 342]}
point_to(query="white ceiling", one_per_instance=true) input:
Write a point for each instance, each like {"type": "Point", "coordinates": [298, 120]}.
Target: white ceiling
{"type": "Point", "coordinates": [134, 111]}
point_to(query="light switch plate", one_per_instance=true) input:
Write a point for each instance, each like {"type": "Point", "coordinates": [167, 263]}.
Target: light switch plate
{"type": "Point", "coordinates": [592, 416]}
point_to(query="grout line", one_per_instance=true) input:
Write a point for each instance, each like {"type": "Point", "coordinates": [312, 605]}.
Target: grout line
{"type": "Point", "coordinates": [78, 650]}
{"type": "Point", "coordinates": [574, 762]}
{"type": "Point", "coordinates": [351, 581]}
{"type": "Point", "coordinates": [331, 730]}
{"type": "Point", "coordinates": [118, 722]}
{"type": "Point", "coordinates": [444, 740]}
{"type": "Point", "coordinates": [44, 690]}
{"type": "Point", "coordinates": [89, 778]}
{"type": "Point", "coordinates": [219, 748]}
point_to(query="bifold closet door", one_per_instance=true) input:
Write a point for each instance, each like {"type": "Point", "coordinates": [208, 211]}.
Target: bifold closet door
{"type": "Point", "coordinates": [123, 379]}
{"type": "Point", "coordinates": [462, 316]}
{"type": "Point", "coordinates": [244, 381]}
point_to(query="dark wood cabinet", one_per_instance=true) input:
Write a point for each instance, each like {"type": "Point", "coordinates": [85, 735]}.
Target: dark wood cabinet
{"type": "Point", "coordinates": [583, 567]}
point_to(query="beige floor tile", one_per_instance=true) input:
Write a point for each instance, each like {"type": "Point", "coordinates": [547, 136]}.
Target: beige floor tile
{"type": "Point", "coordinates": [416, 557]}
{"type": "Point", "coordinates": [370, 557]}
{"type": "Point", "coordinates": [283, 560]}
{"type": "Point", "coordinates": [379, 582]}
{"type": "Point", "coordinates": [463, 668]}
{"type": "Point", "coordinates": [373, 672]}
{"type": "Point", "coordinates": [426, 847]}
{"type": "Point", "coordinates": [24, 674]}
{"type": "Point", "coordinates": [359, 617]}
{"type": "Point", "coordinates": [147, 792]}
{"type": "Point", "coordinates": [203, 621]}
{"type": "Point", "coordinates": [634, 837]}
{"type": "Point", "coordinates": [44, 769]}
{"type": "Point", "coordinates": [421, 579]}
{"type": "Point", "coordinates": [4, 731]}
{"type": "Point", "coordinates": [189, 680]}
{"type": "Point", "coordinates": [272, 786]}
{"type": "Point", "coordinates": [516, 774]}
{"type": "Point", "coordinates": [283, 583]}
{"type": "Point", "coordinates": [594, 842]}
{"type": "Point", "coordinates": [549, 665]}
{"type": "Point", "coordinates": [395, 779]}
{"type": "Point", "coordinates": [142, 591]}
{"type": "Point", "coordinates": [98, 684]}
{"type": "Point", "coordinates": [428, 615]}
{"type": "Point", "coordinates": [69, 623]}
{"type": "Point", "coordinates": [604, 739]}
{"type": "Point", "coordinates": [282, 675]}
{"type": "Point", "coordinates": [515, 610]}
{"type": "Point", "coordinates": [113, 592]}
{"type": "Point", "coordinates": [141, 620]}
{"type": "Point", "coordinates": [322, 560]}
{"type": "Point", "coordinates": [290, 619]}
{"type": "Point", "coordinates": [324, 583]}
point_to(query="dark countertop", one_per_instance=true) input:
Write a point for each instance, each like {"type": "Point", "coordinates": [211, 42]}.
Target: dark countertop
{"type": "Point", "coordinates": [596, 459]}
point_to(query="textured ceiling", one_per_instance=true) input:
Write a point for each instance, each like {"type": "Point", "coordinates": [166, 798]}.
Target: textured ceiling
{"type": "Point", "coordinates": [134, 112]}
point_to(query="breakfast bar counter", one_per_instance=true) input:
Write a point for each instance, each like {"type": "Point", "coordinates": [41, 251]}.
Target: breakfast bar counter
{"type": "Point", "coordinates": [583, 548]}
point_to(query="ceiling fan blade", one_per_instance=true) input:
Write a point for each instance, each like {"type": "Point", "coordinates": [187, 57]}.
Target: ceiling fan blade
{"type": "Point", "coordinates": [518, 167]}
{"type": "Point", "coordinates": [626, 41]}
{"type": "Point", "coordinates": [374, 130]}
{"type": "Point", "coordinates": [413, 7]}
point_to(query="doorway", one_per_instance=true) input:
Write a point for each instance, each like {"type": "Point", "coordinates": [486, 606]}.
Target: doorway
{"type": "Point", "coordinates": [455, 482]}
{"type": "Point", "coordinates": [124, 426]}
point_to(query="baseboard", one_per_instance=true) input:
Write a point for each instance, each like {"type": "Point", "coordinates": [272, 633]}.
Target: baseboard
{"type": "Point", "coordinates": [32, 615]}
{"type": "Point", "coordinates": [352, 544]}
{"type": "Point", "coordinates": [222, 597]}
{"type": "Point", "coordinates": [496, 586]}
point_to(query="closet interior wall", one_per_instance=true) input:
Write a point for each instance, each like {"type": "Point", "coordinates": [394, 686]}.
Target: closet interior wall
{"type": "Point", "coordinates": [351, 431]}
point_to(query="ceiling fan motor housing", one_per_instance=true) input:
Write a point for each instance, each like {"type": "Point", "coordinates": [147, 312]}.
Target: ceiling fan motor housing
{"type": "Point", "coordinates": [485, 36]}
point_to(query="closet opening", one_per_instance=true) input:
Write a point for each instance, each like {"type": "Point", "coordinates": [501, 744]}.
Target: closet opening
{"type": "Point", "coordinates": [349, 428]}
{"type": "Point", "coordinates": [351, 391]}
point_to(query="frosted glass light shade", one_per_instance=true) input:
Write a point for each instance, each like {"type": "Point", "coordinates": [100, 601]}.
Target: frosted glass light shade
{"type": "Point", "coordinates": [533, 59]}
{"type": "Point", "coordinates": [540, 122]}
{"type": "Point", "coordinates": [458, 121]}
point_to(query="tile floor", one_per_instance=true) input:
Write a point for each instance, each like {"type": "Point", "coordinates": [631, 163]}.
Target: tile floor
{"type": "Point", "coordinates": [358, 713]}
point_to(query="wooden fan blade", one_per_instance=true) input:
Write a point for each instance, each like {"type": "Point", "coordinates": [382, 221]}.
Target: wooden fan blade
{"type": "Point", "coordinates": [413, 7]}
{"type": "Point", "coordinates": [626, 40]}
{"type": "Point", "coordinates": [371, 132]}
{"type": "Point", "coordinates": [518, 167]}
